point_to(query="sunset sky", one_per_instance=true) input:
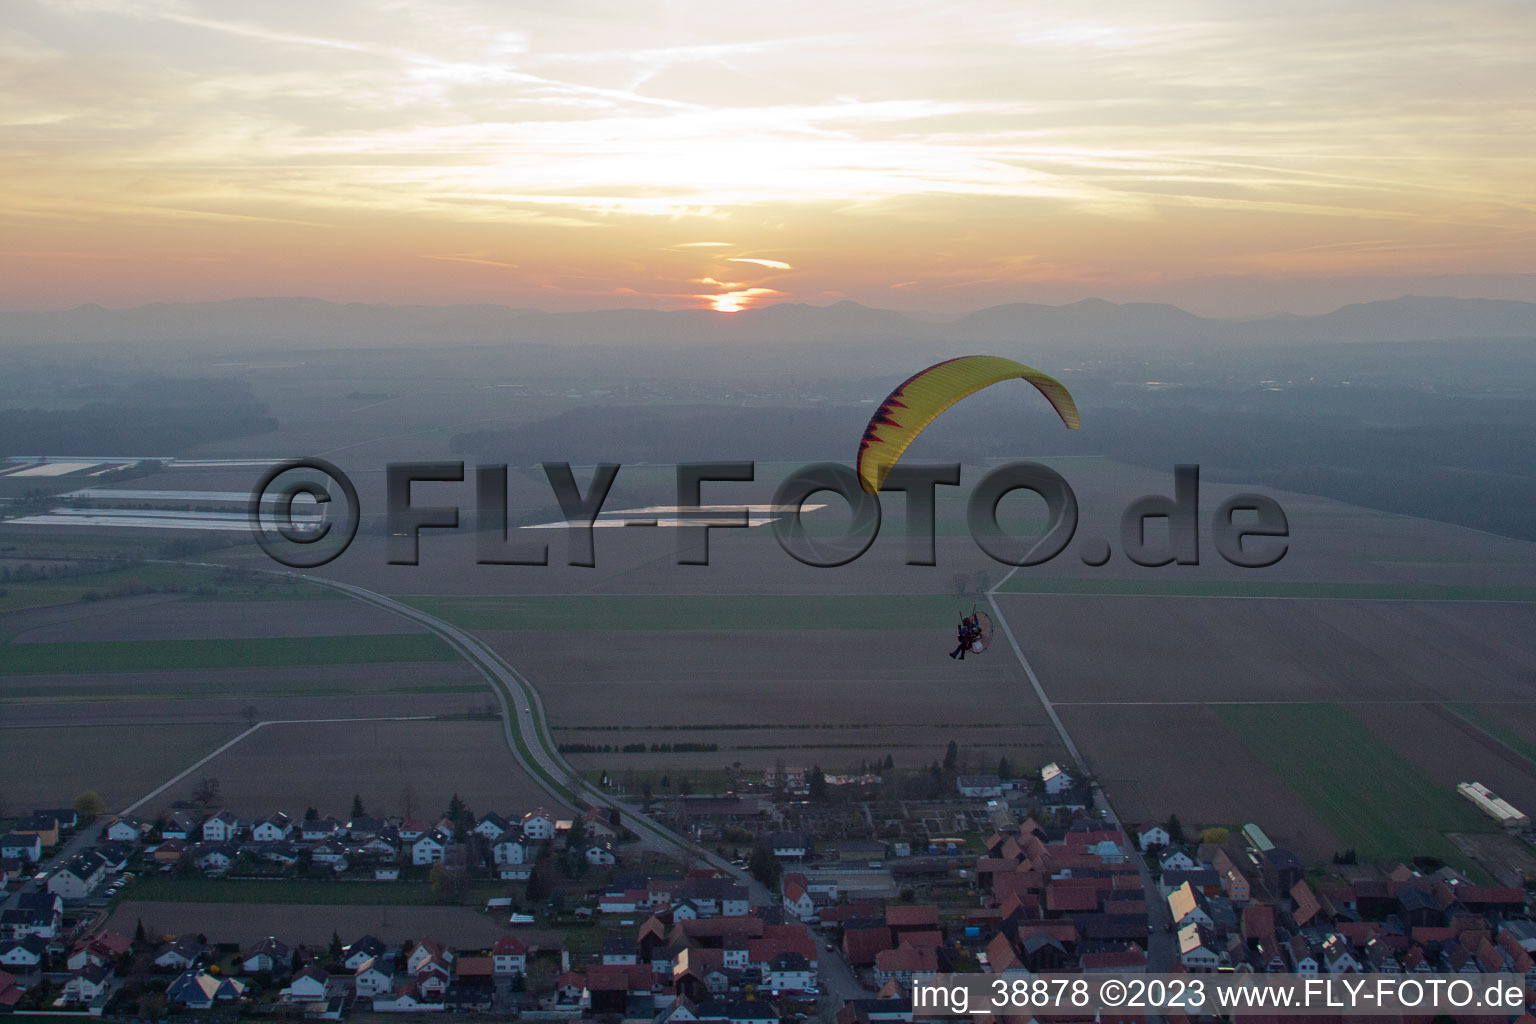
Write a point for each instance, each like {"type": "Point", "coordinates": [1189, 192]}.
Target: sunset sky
{"type": "Point", "coordinates": [1232, 158]}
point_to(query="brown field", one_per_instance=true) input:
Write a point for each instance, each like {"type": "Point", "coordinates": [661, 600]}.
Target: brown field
{"type": "Point", "coordinates": [1111, 649]}
{"type": "Point", "coordinates": [782, 677]}
{"type": "Point", "coordinates": [265, 688]}
{"type": "Point", "coordinates": [121, 762]}
{"type": "Point", "coordinates": [832, 697]}
{"type": "Point", "coordinates": [13, 623]}
{"type": "Point", "coordinates": [835, 749]}
{"type": "Point", "coordinates": [224, 620]}
{"type": "Point", "coordinates": [153, 713]}
{"type": "Point", "coordinates": [313, 925]}
{"type": "Point", "coordinates": [1184, 760]}
{"type": "Point", "coordinates": [321, 765]}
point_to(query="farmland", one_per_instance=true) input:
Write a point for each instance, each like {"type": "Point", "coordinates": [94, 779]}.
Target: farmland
{"type": "Point", "coordinates": [1355, 642]}
{"type": "Point", "coordinates": [313, 924]}
{"type": "Point", "coordinates": [141, 655]}
{"type": "Point", "coordinates": [1389, 809]}
{"type": "Point", "coordinates": [114, 760]}
{"type": "Point", "coordinates": [828, 696]}
{"type": "Point", "coordinates": [389, 764]}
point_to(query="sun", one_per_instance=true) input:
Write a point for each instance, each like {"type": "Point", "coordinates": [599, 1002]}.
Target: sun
{"type": "Point", "coordinates": [736, 300]}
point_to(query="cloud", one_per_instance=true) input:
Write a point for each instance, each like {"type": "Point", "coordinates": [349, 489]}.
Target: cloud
{"type": "Point", "coordinates": [770, 264]}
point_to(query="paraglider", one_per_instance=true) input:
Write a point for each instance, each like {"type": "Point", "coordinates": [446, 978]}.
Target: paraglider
{"type": "Point", "coordinates": [974, 634]}
{"type": "Point", "coordinates": [921, 398]}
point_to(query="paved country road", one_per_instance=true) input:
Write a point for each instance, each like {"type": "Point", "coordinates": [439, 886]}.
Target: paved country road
{"type": "Point", "coordinates": [527, 733]}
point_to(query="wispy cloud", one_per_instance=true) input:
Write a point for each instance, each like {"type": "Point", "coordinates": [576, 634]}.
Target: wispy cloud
{"type": "Point", "coordinates": [1193, 137]}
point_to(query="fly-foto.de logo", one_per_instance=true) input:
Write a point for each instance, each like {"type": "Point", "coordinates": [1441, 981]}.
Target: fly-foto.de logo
{"type": "Point", "coordinates": [298, 520]}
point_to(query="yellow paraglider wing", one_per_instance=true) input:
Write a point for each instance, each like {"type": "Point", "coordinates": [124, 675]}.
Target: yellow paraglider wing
{"type": "Point", "coordinates": [925, 395]}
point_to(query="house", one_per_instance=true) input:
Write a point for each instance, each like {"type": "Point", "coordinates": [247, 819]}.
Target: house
{"type": "Point", "coordinates": [429, 849]}
{"type": "Point", "coordinates": [600, 853]}
{"type": "Point", "coordinates": [1055, 779]}
{"type": "Point", "coordinates": [215, 859]}
{"type": "Point", "coordinates": [181, 954]}
{"type": "Point", "coordinates": [979, 786]}
{"type": "Point", "coordinates": [509, 956]}
{"type": "Point", "coordinates": [376, 848]}
{"type": "Point", "coordinates": [374, 977]}
{"type": "Point", "coordinates": [492, 826]}
{"type": "Point", "coordinates": [44, 826]}
{"type": "Point", "coordinates": [905, 963]}
{"type": "Point", "coordinates": [199, 990]}
{"type": "Point", "coordinates": [124, 830]}
{"type": "Point", "coordinates": [178, 825]}
{"type": "Point", "coordinates": [223, 827]}
{"type": "Point", "coordinates": [386, 874]}
{"type": "Point", "coordinates": [620, 951]}
{"type": "Point", "coordinates": [318, 830]}
{"type": "Point", "coordinates": [790, 845]}
{"type": "Point", "coordinates": [789, 972]}
{"type": "Point", "coordinates": [104, 949]}
{"type": "Point", "coordinates": [1233, 882]}
{"type": "Point", "coordinates": [1174, 859]}
{"type": "Point", "coordinates": [275, 829]}
{"type": "Point", "coordinates": [284, 853]}
{"type": "Point", "coordinates": [797, 896]}
{"type": "Point", "coordinates": [168, 853]}
{"type": "Point", "coordinates": [329, 852]}
{"type": "Point", "coordinates": [35, 913]}
{"type": "Point", "coordinates": [602, 822]}
{"type": "Point", "coordinates": [25, 953]}
{"type": "Point", "coordinates": [360, 952]}
{"type": "Point", "coordinates": [88, 983]}
{"type": "Point", "coordinates": [1151, 838]}
{"type": "Point", "coordinates": [1197, 949]}
{"type": "Point", "coordinates": [508, 850]}
{"type": "Point", "coordinates": [1184, 907]}
{"type": "Point", "coordinates": [308, 986]}
{"type": "Point", "coordinates": [364, 828]}
{"type": "Point", "coordinates": [266, 957]}
{"type": "Point", "coordinates": [424, 952]}
{"type": "Point", "coordinates": [539, 825]}
{"type": "Point", "coordinates": [67, 817]}
{"type": "Point", "coordinates": [75, 879]}
{"type": "Point", "coordinates": [27, 846]}
{"type": "Point", "coordinates": [433, 978]}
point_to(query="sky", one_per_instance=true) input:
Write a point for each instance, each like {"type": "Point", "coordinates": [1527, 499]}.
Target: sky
{"type": "Point", "coordinates": [1235, 159]}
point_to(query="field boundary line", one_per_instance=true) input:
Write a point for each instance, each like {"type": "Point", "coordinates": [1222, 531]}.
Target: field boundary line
{"type": "Point", "coordinates": [246, 735]}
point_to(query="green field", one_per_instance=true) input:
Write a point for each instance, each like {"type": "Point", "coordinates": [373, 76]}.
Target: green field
{"type": "Point", "coordinates": [1494, 728]}
{"type": "Point", "coordinates": [196, 584]}
{"type": "Point", "coordinates": [1369, 796]}
{"type": "Point", "coordinates": [1270, 588]}
{"type": "Point", "coordinates": [693, 611]}
{"type": "Point", "coordinates": [150, 655]}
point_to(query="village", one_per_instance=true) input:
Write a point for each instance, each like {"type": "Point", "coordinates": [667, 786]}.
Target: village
{"type": "Point", "coordinates": [1035, 879]}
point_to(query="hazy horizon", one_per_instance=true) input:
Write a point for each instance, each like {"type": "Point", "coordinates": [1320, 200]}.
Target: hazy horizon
{"type": "Point", "coordinates": [1231, 162]}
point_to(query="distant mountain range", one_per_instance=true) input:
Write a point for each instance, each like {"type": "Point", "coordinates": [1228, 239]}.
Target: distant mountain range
{"type": "Point", "coordinates": [273, 324]}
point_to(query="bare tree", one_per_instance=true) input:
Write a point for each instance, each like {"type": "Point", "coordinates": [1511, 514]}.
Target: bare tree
{"type": "Point", "coordinates": [207, 791]}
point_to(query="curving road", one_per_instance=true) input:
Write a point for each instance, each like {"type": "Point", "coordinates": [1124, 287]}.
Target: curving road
{"type": "Point", "coordinates": [527, 733]}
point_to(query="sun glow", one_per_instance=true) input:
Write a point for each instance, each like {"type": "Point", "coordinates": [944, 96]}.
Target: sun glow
{"type": "Point", "coordinates": [736, 301]}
